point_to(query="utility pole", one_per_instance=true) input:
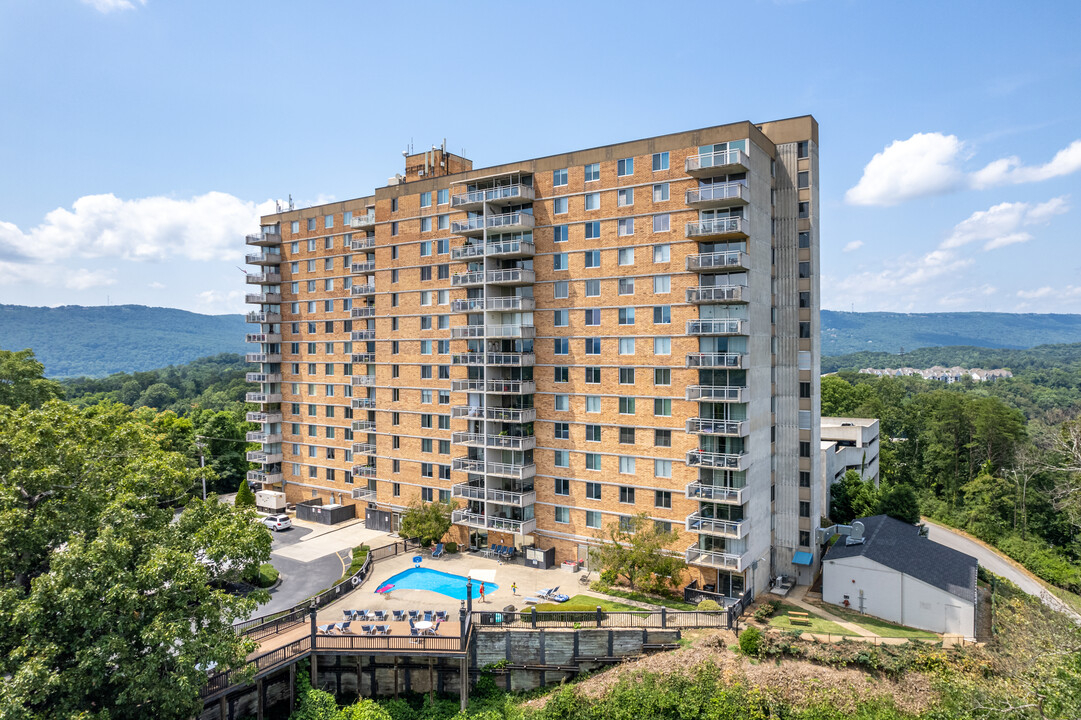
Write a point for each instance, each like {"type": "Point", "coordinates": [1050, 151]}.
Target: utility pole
{"type": "Point", "coordinates": [202, 464]}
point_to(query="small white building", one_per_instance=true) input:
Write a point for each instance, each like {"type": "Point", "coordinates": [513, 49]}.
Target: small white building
{"type": "Point", "coordinates": [899, 575]}
{"type": "Point", "coordinates": [848, 444]}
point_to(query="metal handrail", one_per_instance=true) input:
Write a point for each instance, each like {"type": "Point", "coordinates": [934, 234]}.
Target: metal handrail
{"type": "Point", "coordinates": [723, 260]}
{"type": "Point", "coordinates": [728, 360]}
{"type": "Point", "coordinates": [718, 191]}
{"type": "Point", "coordinates": [704, 161]}
{"type": "Point", "coordinates": [716, 226]}
{"type": "Point", "coordinates": [715, 327]}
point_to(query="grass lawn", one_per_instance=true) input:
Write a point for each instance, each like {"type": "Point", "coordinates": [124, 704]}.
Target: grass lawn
{"type": "Point", "coordinates": [268, 575]}
{"type": "Point", "coordinates": [877, 626]}
{"type": "Point", "coordinates": [590, 601]}
{"type": "Point", "coordinates": [641, 597]}
{"type": "Point", "coordinates": [818, 625]}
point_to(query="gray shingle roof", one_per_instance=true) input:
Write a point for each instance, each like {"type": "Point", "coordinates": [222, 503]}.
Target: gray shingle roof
{"type": "Point", "coordinates": [898, 545]}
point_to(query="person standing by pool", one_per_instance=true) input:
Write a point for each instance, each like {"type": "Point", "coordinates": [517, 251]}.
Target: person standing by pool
{"type": "Point", "coordinates": [514, 588]}
{"type": "Point", "coordinates": [482, 591]}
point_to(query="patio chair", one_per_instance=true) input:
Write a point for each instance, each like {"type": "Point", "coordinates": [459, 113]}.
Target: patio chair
{"type": "Point", "coordinates": [399, 615]}
{"type": "Point", "coordinates": [413, 614]}
{"type": "Point", "coordinates": [362, 613]}
{"type": "Point", "coordinates": [366, 629]}
{"type": "Point", "coordinates": [438, 552]}
{"type": "Point", "coordinates": [325, 629]}
{"type": "Point", "coordinates": [414, 636]}
{"type": "Point", "coordinates": [411, 625]}
{"type": "Point", "coordinates": [434, 629]}
{"type": "Point", "coordinates": [343, 627]}
{"type": "Point", "coordinates": [349, 614]}
{"type": "Point", "coordinates": [547, 592]}
{"type": "Point", "coordinates": [380, 615]}
{"type": "Point", "coordinates": [427, 616]}
{"type": "Point", "coordinates": [441, 615]}
{"type": "Point", "coordinates": [384, 629]}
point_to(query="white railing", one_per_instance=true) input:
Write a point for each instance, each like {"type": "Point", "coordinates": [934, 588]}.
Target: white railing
{"type": "Point", "coordinates": [518, 472]}
{"type": "Point", "coordinates": [263, 238]}
{"type": "Point", "coordinates": [707, 426]}
{"type": "Point", "coordinates": [715, 360]}
{"type": "Point", "coordinates": [696, 522]}
{"type": "Point", "coordinates": [477, 520]}
{"type": "Point", "coordinates": [363, 425]}
{"type": "Point", "coordinates": [263, 417]}
{"type": "Point", "coordinates": [715, 294]}
{"type": "Point", "coordinates": [364, 471]}
{"type": "Point", "coordinates": [263, 317]}
{"type": "Point", "coordinates": [715, 493]}
{"type": "Point", "coordinates": [263, 298]}
{"type": "Point", "coordinates": [508, 302]}
{"type": "Point", "coordinates": [723, 158]}
{"type": "Point", "coordinates": [715, 393]}
{"type": "Point", "coordinates": [511, 275]}
{"type": "Point", "coordinates": [362, 358]}
{"type": "Point", "coordinates": [363, 267]}
{"type": "Point", "coordinates": [715, 327]}
{"type": "Point", "coordinates": [363, 403]}
{"type": "Point", "coordinates": [366, 311]}
{"type": "Point", "coordinates": [263, 357]}
{"type": "Point", "coordinates": [467, 278]}
{"type": "Point", "coordinates": [363, 494]}
{"type": "Point", "coordinates": [365, 380]}
{"type": "Point", "coordinates": [363, 448]}
{"type": "Point", "coordinates": [727, 561]}
{"type": "Point", "coordinates": [503, 192]}
{"type": "Point", "coordinates": [264, 279]}
{"type": "Point", "coordinates": [256, 377]}
{"type": "Point", "coordinates": [503, 442]}
{"type": "Point", "coordinates": [360, 221]}
{"type": "Point", "coordinates": [730, 461]}
{"type": "Point", "coordinates": [262, 437]}
{"type": "Point", "coordinates": [358, 335]}
{"type": "Point", "coordinates": [364, 243]}
{"type": "Point", "coordinates": [716, 226]}
{"type": "Point", "coordinates": [508, 220]}
{"type": "Point", "coordinates": [270, 258]}
{"type": "Point", "coordinates": [516, 359]}
{"type": "Point", "coordinates": [510, 247]}
{"type": "Point", "coordinates": [717, 192]}
{"type": "Point", "coordinates": [509, 387]}
{"type": "Point", "coordinates": [366, 289]}
{"type": "Point", "coordinates": [263, 338]}
{"type": "Point", "coordinates": [261, 398]}
{"type": "Point", "coordinates": [264, 457]}
{"type": "Point", "coordinates": [467, 464]}
{"type": "Point", "coordinates": [718, 260]}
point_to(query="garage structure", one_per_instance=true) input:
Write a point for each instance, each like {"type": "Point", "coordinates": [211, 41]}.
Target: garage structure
{"type": "Point", "coordinates": [896, 573]}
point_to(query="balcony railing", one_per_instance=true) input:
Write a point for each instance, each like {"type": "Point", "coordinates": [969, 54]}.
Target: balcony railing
{"type": "Point", "coordinates": [467, 464]}
{"type": "Point", "coordinates": [707, 426]}
{"type": "Point", "coordinates": [715, 327]}
{"type": "Point", "coordinates": [506, 194]}
{"type": "Point", "coordinates": [715, 493]}
{"type": "Point", "coordinates": [261, 397]}
{"type": "Point", "coordinates": [510, 248]}
{"type": "Point", "coordinates": [364, 471]}
{"type": "Point", "coordinates": [526, 332]}
{"type": "Point", "coordinates": [363, 493]}
{"type": "Point", "coordinates": [717, 227]}
{"type": "Point", "coordinates": [366, 289]}
{"type": "Point", "coordinates": [261, 437]}
{"type": "Point", "coordinates": [263, 239]}
{"type": "Point", "coordinates": [504, 442]}
{"type": "Point", "coordinates": [364, 380]}
{"type": "Point", "coordinates": [365, 311]}
{"type": "Point", "coordinates": [511, 415]}
{"type": "Point", "coordinates": [511, 276]}
{"type": "Point", "coordinates": [362, 358]}
{"type": "Point", "coordinates": [363, 221]}
{"type": "Point", "coordinates": [363, 403]}
{"type": "Point", "coordinates": [264, 279]}
{"type": "Point", "coordinates": [363, 448]}
{"type": "Point", "coordinates": [517, 472]}
{"type": "Point", "coordinates": [475, 226]}
{"type": "Point", "coordinates": [263, 357]}
{"type": "Point", "coordinates": [728, 461]}
{"type": "Point", "coordinates": [363, 425]}
{"type": "Point", "coordinates": [727, 260]}
{"type": "Point", "coordinates": [504, 303]}
{"type": "Point", "coordinates": [263, 298]}
{"type": "Point", "coordinates": [715, 360]}
{"type": "Point", "coordinates": [363, 267]}
{"type": "Point", "coordinates": [256, 377]}
{"type": "Point", "coordinates": [264, 477]}
{"type": "Point", "coordinates": [263, 317]}
{"type": "Point", "coordinates": [263, 417]}
{"type": "Point", "coordinates": [264, 457]}
{"type": "Point", "coordinates": [715, 163]}
{"type": "Point", "coordinates": [518, 527]}
{"type": "Point", "coordinates": [507, 387]}
{"type": "Point", "coordinates": [359, 335]}
{"type": "Point", "coordinates": [715, 294]}
{"type": "Point", "coordinates": [467, 279]}
{"type": "Point", "coordinates": [715, 393]}
{"type": "Point", "coordinates": [264, 259]}
{"type": "Point", "coordinates": [696, 522]}
{"type": "Point", "coordinates": [263, 337]}
{"type": "Point", "coordinates": [503, 497]}
{"type": "Point", "coordinates": [505, 359]}
{"type": "Point", "coordinates": [364, 243]}
{"type": "Point", "coordinates": [710, 558]}
{"type": "Point", "coordinates": [719, 195]}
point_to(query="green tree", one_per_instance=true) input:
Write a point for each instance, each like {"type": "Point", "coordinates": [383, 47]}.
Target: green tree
{"type": "Point", "coordinates": [112, 607]}
{"type": "Point", "coordinates": [223, 433]}
{"type": "Point", "coordinates": [244, 496]}
{"type": "Point", "coordinates": [428, 522]}
{"type": "Point", "coordinates": [22, 380]}
{"type": "Point", "coordinates": [851, 497]}
{"type": "Point", "coordinates": [638, 553]}
{"type": "Point", "coordinates": [157, 396]}
{"type": "Point", "coordinates": [899, 501]}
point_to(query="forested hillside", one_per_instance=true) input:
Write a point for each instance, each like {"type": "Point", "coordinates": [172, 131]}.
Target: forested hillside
{"type": "Point", "coordinates": [97, 341]}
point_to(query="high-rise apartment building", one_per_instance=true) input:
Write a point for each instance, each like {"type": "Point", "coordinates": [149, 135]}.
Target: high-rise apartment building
{"type": "Point", "coordinates": [560, 344]}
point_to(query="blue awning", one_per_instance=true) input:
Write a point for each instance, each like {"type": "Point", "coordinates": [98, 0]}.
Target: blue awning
{"type": "Point", "coordinates": [803, 558]}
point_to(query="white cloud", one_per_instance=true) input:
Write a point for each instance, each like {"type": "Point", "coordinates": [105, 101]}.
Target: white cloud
{"type": "Point", "coordinates": [925, 164]}
{"type": "Point", "coordinates": [1011, 171]}
{"type": "Point", "coordinates": [854, 245]}
{"type": "Point", "coordinates": [83, 279]}
{"type": "Point", "coordinates": [108, 6]}
{"type": "Point", "coordinates": [1000, 225]}
{"type": "Point", "coordinates": [214, 302]}
{"type": "Point", "coordinates": [156, 285]}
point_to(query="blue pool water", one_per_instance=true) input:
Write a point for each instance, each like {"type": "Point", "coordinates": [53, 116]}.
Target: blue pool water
{"type": "Point", "coordinates": [438, 582]}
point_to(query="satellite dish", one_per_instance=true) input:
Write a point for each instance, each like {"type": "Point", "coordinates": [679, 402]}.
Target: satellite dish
{"type": "Point", "coordinates": [857, 531]}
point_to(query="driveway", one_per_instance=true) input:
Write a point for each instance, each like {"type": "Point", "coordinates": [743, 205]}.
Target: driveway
{"type": "Point", "coordinates": [997, 563]}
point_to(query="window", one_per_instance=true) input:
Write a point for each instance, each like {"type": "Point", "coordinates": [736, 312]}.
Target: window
{"type": "Point", "coordinates": [593, 375]}
{"type": "Point", "coordinates": [425, 347]}
{"type": "Point", "coordinates": [626, 494]}
{"type": "Point", "coordinates": [593, 519]}
{"type": "Point", "coordinates": [593, 403]}
{"type": "Point", "coordinates": [559, 233]}
{"type": "Point", "coordinates": [660, 161]}
{"type": "Point", "coordinates": [662, 376]}
{"type": "Point", "coordinates": [660, 192]}
{"type": "Point", "coordinates": [426, 445]}
{"type": "Point", "coordinates": [803, 180]}
{"type": "Point", "coordinates": [559, 177]}
{"type": "Point", "coordinates": [805, 299]}
{"type": "Point", "coordinates": [662, 314]}
{"type": "Point", "coordinates": [626, 316]}
{"type": "Point", "coordinates": [660, 223]}
{"type": "Point", "coordinates": [626, 466]}
{"type": "Point", "coordinates": [626, 347]}
{"type": "Point", "coordinates": [802, 149]}
{"type": "Point", "coordinates": [559, 206]}
{"type": "Point", "coordinates": [442, 221]}
{"type": "Point", "coordinates": [662, 469]}
{"type": "Point", "coordinates": [562, 373]}
{"type": "Point", "coordinates": [625, 167]}
{"type": "Point", "coordinates": [426, 493]}
{"type": "Point", "coordinates": [592, 316]}
{"type": "Point", "coordinates": [426, 199]}
{"type": "Point", "coordinates": [804, 449]}
{"type": "Point", "coordinates": [662, 407]}
{"type": "Point", "coordinates": [805, 239]}
{"type": "Point", "coordinates": [295, 228]}
{"type": "Point", "coordinates": [593, 201]}
{"type": "Point", "coordinates": [626, 436]}
{"type": "Point", "coordinates": [662, 346]}
{"type": "Point", "coordinates": [662, 498]}
{"type": "Point", "coordinates": [426, 226]}
{"type": "Point", "coordinates": [805, 269]}
{"type": "Point", "coordinates": [593, 491]}
{"type": "Point", "coordinates": [662, 253]}
{"type": "Point", "coordinates": [560, 289]}
{"type": "Point", "coordinates": [394, 228]}
{"type": "Point", "coordinates": [593, 433]}
{"type": "Point", "coordinates": [443, 196]}
{"type": "Point", "coordinates": [425, 275]}
{"type": "Point", "coordinates": [396, 488]}
{"type": "Point", "coordinates": [426, 246]}
{"type": "Point", "coordinates": [804, 509]}
{"type": "Point", "coordinates": [804, 479]}
{"type": "Point", "coordinates": [805, 330]}
{"type": "Point", "coordinates": [561, 346]}
{"type": "Point", "coordinates": [593, 288]}
{"type": "Point", "coordinates": [805, 389]}
{"type": "Point", "coordinates": [394, 204]}
{"type": "Point", "coordinates": [626, 255]}
{"type": "Point", "coordinates": [426, 399]}
{"type": "Point", "coordinates": [805, 538]}
{"type": "Point", "coordinates": [662, 284]}
{"type": "Point", "coordinates": [593, 346]}
{"type": "Point", "coordinates": [592, 258]}
{"type": "Point", "coordinates": [561, 458]}
{"type": "Point", "coordinates": [562, 486]}
{"type": "Point", "coordinates": [560, 318]}
{"type": "Point", "coordinates": [593, 461]}
{"type": "Point", "coordinates": [625, 197]}
{"type": "Point", "coordinates": [593, 230]}
{"type": "Point", "coordinates": [593, 172]}
{"type": "Point", "coordinates": [559, 261]}
{"type": "Point", "coordinates": [561, 402]}
{"type": "Point", "coordinates": [626, 376]}
{"type": "Point", "coordinates": [426, 421]}
{"type": "Point", "coordinates": [626, 227]}
{"type": "Point", "coordinates": [563, 514]}
{"type": "Point", "coordinates": [311, 224]}
{"type": "Point", "coordinates": [804, 210]}
{"type": "Point", "coordinates": [626, 406]}
{"type": "Point", "coordinates": [662, 438]}
{"type": "Point", "coordinates": [563, 431]}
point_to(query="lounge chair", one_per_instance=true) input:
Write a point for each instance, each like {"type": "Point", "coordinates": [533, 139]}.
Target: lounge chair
{"type": "Point", "coordinates": [531, 601]}
{"type": "Point", "coordinates": [427, 616]}
{"type": "Point", "coordinates": [399, 615]}
{"type": "Point", "coordinates": [383, 629]}
{"type": "Point", "coordinates": [441, 615]}
{"type": "Point", "coordinates": [438, 550]}
{"type": "Point", "coordinates": [325, 629]}
{"type": "Point", "coordinates": [366, 629]}
{"type": "Point", "coordinates": [349, 614]}
{"type": "Point", "coordinates": [362, 613]}
{"type": "Point", "coordinates": [547, 592]}
{"type": "Point", "coordinates": [414, 636]}
{"type": "Point", "coordinates": [380, 615]}
{"type": "Point", "coordinates": [343, 627]}
{"type": "Point", "coordinates": [413, 614]}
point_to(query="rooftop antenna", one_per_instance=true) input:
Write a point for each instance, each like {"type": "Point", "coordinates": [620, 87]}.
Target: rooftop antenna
{"type": "Point", "coordinates": [290, 201]}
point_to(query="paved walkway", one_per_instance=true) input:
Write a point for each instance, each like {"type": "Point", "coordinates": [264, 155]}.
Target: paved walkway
{"type": "Point", "coordinates": [795, 597]}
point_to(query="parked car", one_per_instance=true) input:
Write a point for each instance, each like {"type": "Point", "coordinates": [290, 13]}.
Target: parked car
{"type": "Point", "coordinates": [278, 522]}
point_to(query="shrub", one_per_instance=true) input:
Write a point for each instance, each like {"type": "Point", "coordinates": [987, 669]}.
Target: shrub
{"type": "Point", "coordinates": [565, 613]}
{"type": "Point", "coordinates": [708, 605]}
{"type": "Point", "coordinates": [451, 547]}
{"type": "Point", "coordinates": [244, 496]}
{"type": "Point", "coordinates": [264, 577]}
{"type": "Point", "coordinates": [765, 611]}
{"type": "Point", "coordinates": [750, 641]}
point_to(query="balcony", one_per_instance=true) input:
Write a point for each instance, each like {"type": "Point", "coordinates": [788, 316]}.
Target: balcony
{"type": "Point", "coordinates": [267, 278]}
{"type": "Point", "coordinates": [260, 318]}
{"type": "Point", "coordinates": [363, 403]}
{"type": "Point", "coordinates": [707, 426]}
{"type": "Point", "coordinates": [715, 393]}
{"type": "Point", "coordinates": [467, 279]}
{"type": "Point", "coordinates": [719, 195]}
{"type": "Point", "coordinates": [723, 228]}
{"type": "Point", "coordinates": [707, 294]}
{"type": "Point", "coordinates": [362, 358]}
{"type": "Point", "coordinates": [263, 417]}
{"type": "Point", "coordinates": [270, 298]}
{"type": "Point", "coordinates": [715, 327]}
{"type": "Point", "coordinates": [475, 520]}
{"type": "Point", "coordinates": [504, 442]}
{"type": "Point", "coordinates": [364, 448]}
{"type": "Point", "coordinates": [508, 470]}
{"type": "Point", "coordinates": [263, 338]}
{"type": "Point", "coordinates": [717, 163]}
{"type": "Point", "coordinates": [264, 239]}
{"type": "Point", "coordinates": [715, 493]}
{"type": "Point", "coordinates": [256, 377]}
{"type": "Point", "coordinates": [366, 289]}
{"type": "Point", "coordinates": [503, 497]}
{"type": "Point", "coordinates": [509, 249]}
{"type": "Point", "coordinates": [363, 221]}
{"type": "Point", "coordinates": [715, 360]}
{"type": "Point", "coordinates": [505, 303]}
{"type": "Point", "coordinates": [698, 523]}
{"type": "Point", "coordinates": [511, 276]}
{"type": "Point", "coordinates": [362, 267]}
{"type": "Point", "coordinates": [363, 493]}
{"type": "Point", "coordinates": [505, 387]}
{"type": "Point", "coordinates": [464, 332]}
{"type": "Point", "coordinates": [364, 243]}
{"type": "Point", "coordinates": [262, 397]}
{"type": "Point", "coordinates": [364, 471]}
{"type": "Point", "coordinates": [363, 380]}
{"type": "Point", "coordinates": [726, 461]}
{"type": "Point", "coordinates": [360, 335]}
{"type": "Point", "coordinates": [710, 558]}
{"type": "Point", "coordinates": [262, 437]}
{"type": "Point", "coordinates": [503, 359]}
{"type": "Point", "coordinates": [507, 222]}
{"type": "Point", "coordinates": [365, 311]}
{"type": "Point", "coordinates": [499, 414]}
{"type": "Point", "coordinates": [728, 260]}
{"type": "Point", "coordinates": [363, 426]}
{"type": "Point", "coordinates": [264, 259]}
{"type": "Point", "coordinates": [264, 457]}
{"type": "Point", "coordinates": [263, 357]}
{"type": "Point", "coordinates": [264, 477]}
{"type": "Point", "coordinates": [503, 195]}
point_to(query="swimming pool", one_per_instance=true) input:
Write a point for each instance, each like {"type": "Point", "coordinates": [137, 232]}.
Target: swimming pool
{"type": "Point", "coordinates": [437, 582]}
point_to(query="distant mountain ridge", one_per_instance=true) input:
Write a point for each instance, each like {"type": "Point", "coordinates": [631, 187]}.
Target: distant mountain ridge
{"type": "Point", "coordinates": [74, 340]}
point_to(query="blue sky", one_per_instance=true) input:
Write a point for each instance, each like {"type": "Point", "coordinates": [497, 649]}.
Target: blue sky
{"type": "Point", "coordinates": [139, 139]}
